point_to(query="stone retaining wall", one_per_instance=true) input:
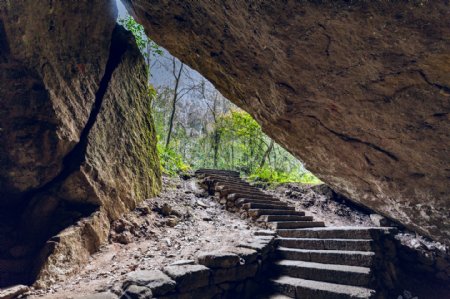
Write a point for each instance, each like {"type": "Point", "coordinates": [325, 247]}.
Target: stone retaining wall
{"type": "Point", "coordinates": [432, 263]}
{"type": "Point", "coordinates": [399, 267]}
{"type": "Point", "coordinates": [232, 272]}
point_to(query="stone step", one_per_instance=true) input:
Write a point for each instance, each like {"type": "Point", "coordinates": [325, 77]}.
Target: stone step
{"type": "Point", "coordinates": [273, 296]}
{"type": "Point", "coordinates": [212, 176]}
{"type": "Point", "coordinates": [296, 224]}
{"type": "Point", "coordinates": [216, 179]}
{"type": "Point", "coordinates": [302, 288]}
{"type": "Point", "coordinates": [327, 244]}
{"type": "Point", "coordinates": [334, 232]}
{"type": "Point", "coordinates": [266, 206]}
{"type": "Point", "coordinates": [231, 184]}
{"type": "Point", "coordinates": [217, 183]}
{"type": "Point", "coordinates": [219, 186]}
{"type": "Point", "coordinates": [247, 195]}
{"type": "Point", "coordinates": [350, 258]}
{"type": "Point", "coordinates": [220, 176]}
{"type": "Point", "coordinates": [214, 170]}
{"type": "Point", "coordinates": [242, 201]}
{"type": "Point", "coordinates": [235, 196]}
{"type": "Point", "coordinates": [254, 213]}
{"type": "Point", "coordinates": [237, 185]}
{"type": "Point", "coordinates": [231, 173]}
{"type": "Point", "coordinates": [272, 218]}
{"type": "Point", "coordinates": [226, 191]}
{"type": "Point", "coordinates": [223, 178]}
{"type": "Point", "coordinates": [340, 274]}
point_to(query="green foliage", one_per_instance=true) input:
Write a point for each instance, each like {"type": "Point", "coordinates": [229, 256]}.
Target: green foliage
{"type": "Point", "coordinates": [171, 162]}
{"type": "Point", "coordinates": [145, 44]}
{"type": "Point", "coordinates": [242, 147]}
{"type": "Point", "coordinates": [238, 123]}
{"type": "Point", "coordinates": [269, 175]}
{"type": "Point", "coordinates": [222, 137]}
{"type": "Point", "coordinates": [242, 141]}
{"type": "Point", "coordinates": [151, 92]}
{"type": "Point", "coordinates": [240, 130]}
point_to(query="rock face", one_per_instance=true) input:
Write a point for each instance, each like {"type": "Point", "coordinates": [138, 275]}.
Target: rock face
{"type": "Point", "coordinates": [121, 166]}
{"type": "Point", "coordinates": [50, 73]}
{"type": "Point", "coordinates": [359, 90]}
{"type": "Point", "coordinates": [76, 136]}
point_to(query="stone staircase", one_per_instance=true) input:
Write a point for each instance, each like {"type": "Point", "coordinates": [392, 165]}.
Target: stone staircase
{"type": "Point", "coordinates": [325, 263]}
{"type": "Point", "coordinates": [311, 260]}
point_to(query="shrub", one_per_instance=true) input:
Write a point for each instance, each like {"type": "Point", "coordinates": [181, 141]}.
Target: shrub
{"type": "Point", "coordinates": [269, 175]}
{"type": "Point", "coordinates": [171, 162]}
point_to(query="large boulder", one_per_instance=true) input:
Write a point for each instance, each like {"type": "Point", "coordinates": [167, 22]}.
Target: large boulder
{"type": "Point", "coordinates": [120, 167]}
{"type": "Point", "coordinates": [359, 90]}
{"type": "Point", "coordinates": [78, 146]}
{"type": "Point", "coordinates": [52, 61]}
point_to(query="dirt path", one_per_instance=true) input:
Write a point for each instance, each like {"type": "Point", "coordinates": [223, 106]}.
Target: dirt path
{"type": "Point", "coordinates": [174, 226]}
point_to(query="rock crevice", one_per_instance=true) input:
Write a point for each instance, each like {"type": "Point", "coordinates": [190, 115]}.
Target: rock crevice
{"type": "Point", "coordinates": [77, 156]}
{"type": "Point", "coordinates": [353, 139]}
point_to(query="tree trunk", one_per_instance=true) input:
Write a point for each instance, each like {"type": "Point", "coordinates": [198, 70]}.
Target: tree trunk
{"type": "Point", "coordinates": [174, 102]}
{"type": "Point", "coordinates": [232, 154]}
{"type": "Point", "coordinates": [172, 116]}
{"type": "Point", "coordinates": [148, 58]}
{"type": "Point", "coordinates": [216, 139]}
{"type": "Point", "coordinates": [266, 154]}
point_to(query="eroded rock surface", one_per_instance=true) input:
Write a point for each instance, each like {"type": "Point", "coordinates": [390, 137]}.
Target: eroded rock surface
{"type": "Point", "coordinates": [50, 72]}
{"type": "Point", "coordinates": [359, 90]}
{"type": "Point", "coordinates": [120, 167]}
{"type": "Point", "coordinates": [77, 139]}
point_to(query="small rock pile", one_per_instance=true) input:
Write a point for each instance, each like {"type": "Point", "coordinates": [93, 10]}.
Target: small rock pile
{"type": "Point", "coordinates": [126, 229]}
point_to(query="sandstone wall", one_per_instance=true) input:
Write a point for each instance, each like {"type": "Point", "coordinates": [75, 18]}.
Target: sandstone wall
{"type": "Point", "coordinates": [78, 146]}
{"type": "Point", "coordinates": [121, 168]}
{"type": "Point", "coordinates": [359, 90]}
{"type": "Point", "coordinates": [52, 62]}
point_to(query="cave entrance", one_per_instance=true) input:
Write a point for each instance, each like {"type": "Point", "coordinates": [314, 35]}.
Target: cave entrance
{"type": "Point", "coordinates": [198, 127]}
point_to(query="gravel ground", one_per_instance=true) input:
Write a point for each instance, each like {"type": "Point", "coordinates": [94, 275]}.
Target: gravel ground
{"type": "Point", "coordinates": [320, 202]}
{"type": "Point", "coordinates": [176, 225]}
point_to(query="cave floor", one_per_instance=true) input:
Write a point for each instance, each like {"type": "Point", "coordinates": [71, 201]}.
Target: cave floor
{"type": "Point", "coordinates": [174, 226]}
{"type": "Point", "coordinates": [182, 221]}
